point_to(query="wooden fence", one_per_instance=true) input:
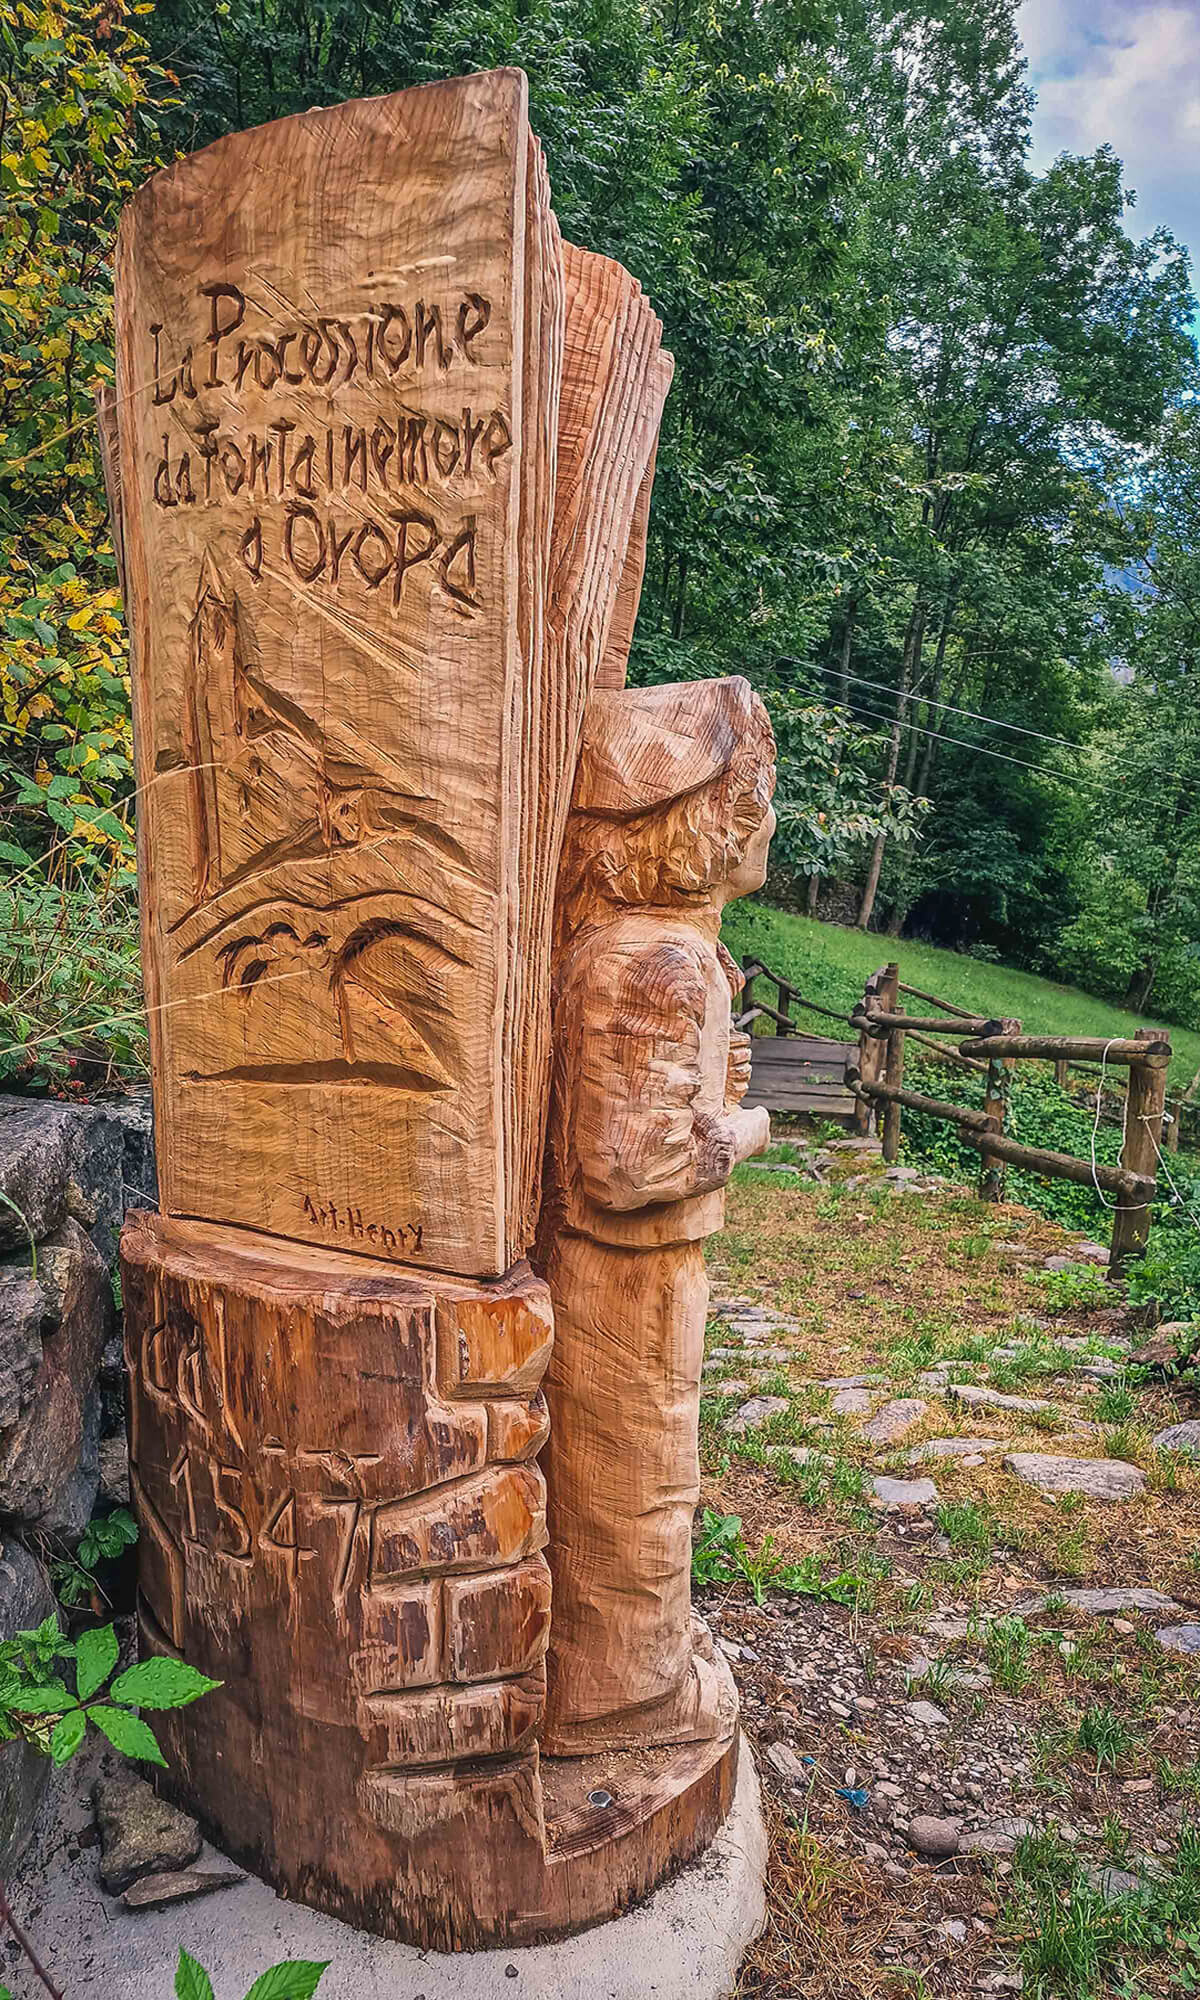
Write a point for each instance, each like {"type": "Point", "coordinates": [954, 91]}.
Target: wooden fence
{"type": "Point", "coordinates": [994, 1047]}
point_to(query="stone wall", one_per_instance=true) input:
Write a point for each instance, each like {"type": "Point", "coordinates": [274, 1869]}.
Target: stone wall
{"type": "Point", "coordinates": [67, 1175]}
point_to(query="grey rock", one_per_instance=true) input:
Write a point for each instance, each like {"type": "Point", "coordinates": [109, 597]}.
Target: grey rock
{"type": "Point", "coordinates": [979, 1397]}
{"type": "Point", "coordinates": [988, 1840]}
{"type": "Point", "coordinates": [26, 1317]}
{"type": "Point", "coordinates": [1098, 1478]}
{"type": "Point", "coordinates": [731, 1388]}
{"type": "Point", "coordinates": [49, 1458]}
{"type": "Point", "coordinates": [784, 1761]}
{"type": "Point", "coordinates": [927, 1715]}
{"type": "Point", "coordinates": [1179, 1638]}
{"type": "Point", "coordinates": [755, 1412]}
{"type": "Point", "coordinates": [894, 1494]}
{"type": "Point", "coordinates": [25, 1599]}
{"type": "Point", "coordinates": [1113, 1883]}
{"type": "Point", "coordinates": [1001, 1979]}
{"type": "Point", "coordinates": [1099, 1603]}
{"type": "Point", "coordinates": [954, 1447]}
{"type": "Point", "coordinates": [140, 1834]}
{"type": "Point", "coordinates": [937, 1838]}
{"type": "Point", "coordinates": [853, 1381]}
{"type": "Point", "coordinates": [894, 1420]}
{"type": "Point", "coordinates": [1090, 1253]}
{"type": "Point", "coordinates": [1179, 1437]}
{"type": "Point", "coordinates": [803, 1454]}
{"type": "Point", "coordinates": [953, 1929]}
{"type": "Point", "coordinates": [852, 1403]}
{"type": "Point", "coordinates": [60, 1160]}
{"type": "Point", "coordinates": [114, 1470]}
{"type": "Point", "coordinates": [154, 1892]}
{"type": "Point", "coordinates": [134, 1117]}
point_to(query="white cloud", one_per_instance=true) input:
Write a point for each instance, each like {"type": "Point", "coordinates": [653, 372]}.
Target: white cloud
{"type": "Point", "coordinates": [1125, 73]}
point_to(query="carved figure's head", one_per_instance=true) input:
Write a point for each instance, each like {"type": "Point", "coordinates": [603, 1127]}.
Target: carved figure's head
{"type": "Point", "coordinates": [672, 800]}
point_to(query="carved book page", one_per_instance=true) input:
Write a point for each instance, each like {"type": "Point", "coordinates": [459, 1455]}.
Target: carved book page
{"type": "Point", "coordinates": [339, 358]}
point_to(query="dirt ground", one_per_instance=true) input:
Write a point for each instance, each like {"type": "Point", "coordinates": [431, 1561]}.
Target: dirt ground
{"type": "Point", "coordinates": [978, 1780]}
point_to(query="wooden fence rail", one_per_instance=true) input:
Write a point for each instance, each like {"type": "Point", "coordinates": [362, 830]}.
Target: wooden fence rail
{"type": "Point", "coordinates": [876, 1083]}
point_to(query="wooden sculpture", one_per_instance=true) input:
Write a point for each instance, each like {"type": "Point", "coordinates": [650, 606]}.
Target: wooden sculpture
{"type": "Point", "coordinates": [379, 460]}
{"type": "Point", "coordinates": [671, 819]}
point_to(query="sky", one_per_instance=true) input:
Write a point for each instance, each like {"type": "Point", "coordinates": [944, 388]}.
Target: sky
{"type": "Point", "coordinates": [1126, 72]}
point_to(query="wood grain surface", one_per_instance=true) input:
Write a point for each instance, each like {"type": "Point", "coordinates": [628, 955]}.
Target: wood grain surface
{"type": "Point", "coordinates": [339, 354]}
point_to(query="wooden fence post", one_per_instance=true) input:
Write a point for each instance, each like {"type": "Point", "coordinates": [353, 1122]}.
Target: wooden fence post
{"type": "Point", "coordinates": [1144, 1105]}
{"type": "Point", "coordinates": [883, 1055]}
{"type": "Point", "coordinates": [893, 1073]}
{"type": "Point", "coordinates": [869, 1054]}
{"type": "Point", "coordinates": [996, 1093]}
{"type": "Point", "coordinates": [1060, 1074]}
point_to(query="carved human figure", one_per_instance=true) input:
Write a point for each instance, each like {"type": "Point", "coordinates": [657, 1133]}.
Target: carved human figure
{"type": "Point", "coordinates": [671, 819]}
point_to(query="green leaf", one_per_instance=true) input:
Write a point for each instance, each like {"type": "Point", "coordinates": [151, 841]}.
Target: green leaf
{"type": "Point", "coordinates": [95, 1657]}
{"type": "Point", "coordinates": [161, 1683]}
{"type": "Point", "coordinates": [191, 1980]}
{"type": "Point", "coordinates": [294, 1979]}
{"type": "Point", "coordinates": [67, 1735]}
{"type": "Point", "coordinates": [127, 1733]}
{"type": "Point", "coordinates": [49, 1700]}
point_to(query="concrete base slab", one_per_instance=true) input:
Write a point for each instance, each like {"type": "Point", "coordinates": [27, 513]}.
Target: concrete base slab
{"type": "Point", "coordinates": [686, 1941]}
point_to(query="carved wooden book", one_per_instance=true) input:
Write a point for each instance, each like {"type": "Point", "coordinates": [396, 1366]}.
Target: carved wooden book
{"type": "Point", "coordinates": [339, 358]}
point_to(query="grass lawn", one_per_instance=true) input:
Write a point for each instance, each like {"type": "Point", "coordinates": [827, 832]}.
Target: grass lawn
{"type": "Point", "coordinates": [830, 965]}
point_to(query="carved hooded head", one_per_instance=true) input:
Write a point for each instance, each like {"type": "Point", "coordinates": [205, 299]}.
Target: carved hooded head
{"type": "Point", "coordinates": [673, 784]}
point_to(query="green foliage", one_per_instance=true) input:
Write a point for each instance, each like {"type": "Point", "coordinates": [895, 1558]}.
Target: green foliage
{"type": "Point", "coordinates": [77, 105]}
{"type": "Point", "coordinates": [1076, 1942]}
{"type": "Point", "coordinates": [721, 1556]}
{"type": "Point", "coordinates": [105, 1538]}
{"type": "Point", "coordinates": [1169, 1272]}
{"type": "Point", "coordinates": [38, 1707]}
{"type": "Point", "coordinates": [293, 1979]}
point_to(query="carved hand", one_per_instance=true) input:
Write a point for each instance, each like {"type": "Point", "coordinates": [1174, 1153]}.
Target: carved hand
{"type": "Point", "coordinates": [737, 1075]}
{"type": "Point", "coordinates": [751, 1130]}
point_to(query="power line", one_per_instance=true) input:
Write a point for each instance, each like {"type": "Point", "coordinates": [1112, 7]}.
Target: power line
{"type": "Point", "coordinates": [860, 711]}
{"type": "Point", "coordinates": [973, 714]}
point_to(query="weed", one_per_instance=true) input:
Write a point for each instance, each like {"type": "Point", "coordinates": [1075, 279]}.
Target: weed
{"type": "Point", "coordinates": [1167, 1472]}
{"type": "Point", "coordinates": [938, 1679]}
{"type": "Point", "coordinates": [967, 1524]}
{"type": "Point", "coordinates": [1079, 1289]}
{"type": "Point", "coordinates": [1115, 1404]}
{"type": "Point", "coordinates": [1121, 1442]}
{"type": "Point", "coordinates": [1103, 1735]}
{"type": "Point", "coordinates": [1008, 1647]}
{"type": "Point", "coordinates": [721, 1555]}
{"type": "Point", "coordinates": [1179, 1778]}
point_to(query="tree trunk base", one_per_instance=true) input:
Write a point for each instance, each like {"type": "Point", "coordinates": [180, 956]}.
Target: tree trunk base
{"type": "Point", "coordinates": [342, 1520]}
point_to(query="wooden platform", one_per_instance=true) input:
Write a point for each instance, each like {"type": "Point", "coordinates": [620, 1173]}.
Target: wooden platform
{"type": "Point", "coordinates": [801, 1073]}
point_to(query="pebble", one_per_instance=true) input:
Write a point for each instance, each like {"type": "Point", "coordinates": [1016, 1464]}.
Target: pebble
{"type": "Point", "coordinates": [954, 1929]}
{"type": "Point", "coordinates": [784, 1760]}
{"type": "Point", "coordinates": [927, 1715]}
{"type": "Point", "coordinates": [852, 1403]}
{"type": "Point", "coordinates": [839, 1709]}
{"type": "Point", "coordinates": [1098, 1478]}
{"type": "Point", "coordinates": [935, 1837]}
